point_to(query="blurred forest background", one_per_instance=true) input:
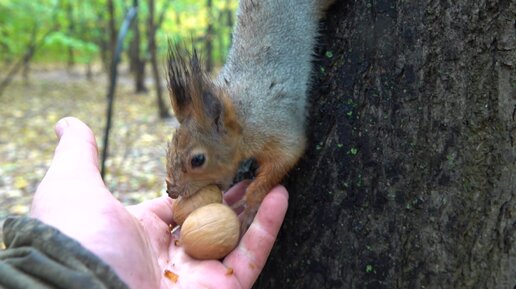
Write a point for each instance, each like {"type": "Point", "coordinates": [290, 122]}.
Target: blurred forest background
{"type": "Point", "coordinates": [55, 59]}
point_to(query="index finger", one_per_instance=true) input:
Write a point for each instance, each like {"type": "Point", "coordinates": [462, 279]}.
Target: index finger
{"type": "Point", "coordinates": [248, 259]}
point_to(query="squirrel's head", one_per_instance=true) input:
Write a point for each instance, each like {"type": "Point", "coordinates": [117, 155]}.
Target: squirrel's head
{"type": "Point", "coordinates": [204, 149]}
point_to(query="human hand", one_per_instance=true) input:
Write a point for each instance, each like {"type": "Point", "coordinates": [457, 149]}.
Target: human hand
{"type": "Point", "coordinates": [136, 241]}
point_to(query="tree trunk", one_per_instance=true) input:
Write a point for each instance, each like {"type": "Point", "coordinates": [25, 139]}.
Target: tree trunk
{"type": "Point", "coordinates": [208, 41]}
{"type": "Point", "coordinates": [112, 33]}
{"type": "Point", "coordinates": [5, 50]}
{"type": "Point", "coordinates": [409, 179]}
{"type": "Point", "coordinates": [26, 71]}
{"type": "Point", "coordinates": [103, 43]}
{"type": "Point", "coordinates": [229, 20]}
{"type": "Point", "coordinates": [139, 76]}
{"type": "Point", "coordinates": [89, 72]}
{"type": "Point", "coordinates": [24, 62]}
{"type": "Point", "coordinates": [71, 31]}
{"type": "Point", "coordinates": [28, 56]}
{"type": "Point", "coordinates": [136, 60]}
{"type": "Point", "coordinates": [162, 108]}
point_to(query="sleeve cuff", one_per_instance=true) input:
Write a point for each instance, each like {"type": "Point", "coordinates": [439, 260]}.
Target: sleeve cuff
{"type": "Point", "coordinates": [40, 256]}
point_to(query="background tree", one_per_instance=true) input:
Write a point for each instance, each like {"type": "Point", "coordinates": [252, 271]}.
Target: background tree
{"type": "Point", "coordinates": [152, 27]}
{"type": "Point", "coordinates": [409, 179]}
{"type": "Point", "coordinates": [71, 30]}
{"type": "Point", "coordinates": [208, 38]}
{"type": "Point", "coordinates": [137, 61]}
{"type": "Point", "coordinates": [24, 46]}
{"type": "Point", "coordinates": [113, 32]}
{"type": "Point", "coordinates": [29, 112]}
{"type": "Point", "coordinates": [83, 32]}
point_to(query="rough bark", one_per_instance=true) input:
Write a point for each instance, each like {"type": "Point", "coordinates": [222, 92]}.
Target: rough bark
{"type": "Point", "coordinates": [409, 179]}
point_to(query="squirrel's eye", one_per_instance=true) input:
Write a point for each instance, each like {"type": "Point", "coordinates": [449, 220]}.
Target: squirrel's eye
{"type": "Point", "coordinates": [197, 160]}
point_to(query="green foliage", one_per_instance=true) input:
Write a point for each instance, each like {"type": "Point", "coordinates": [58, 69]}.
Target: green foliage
{"type": "Point", "coordinates": [20, 21]}
{"type": "Point", "coordinates": [59, 40]}
{"type": "Point", "coordinates": [82, 27]}
{"type": "Point", "coordinates": [187, 21]}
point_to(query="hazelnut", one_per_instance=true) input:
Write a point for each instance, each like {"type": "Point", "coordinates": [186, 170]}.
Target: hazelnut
{"type": "Point", "coordinates": [210, 232]}
{"type": "Point", "coordinates": [182, 207]}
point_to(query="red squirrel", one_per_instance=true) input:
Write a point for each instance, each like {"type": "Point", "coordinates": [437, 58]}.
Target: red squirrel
{"type": "Point", "coordinates": [255, 108]}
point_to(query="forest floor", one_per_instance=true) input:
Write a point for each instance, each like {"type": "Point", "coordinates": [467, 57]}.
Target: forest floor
{"type": "Point", "coordinates": [28, 113]}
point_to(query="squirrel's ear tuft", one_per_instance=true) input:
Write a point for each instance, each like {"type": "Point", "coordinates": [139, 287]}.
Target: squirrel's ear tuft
{"type": "Point", "coordinates": [187, 85]}
{"type": "Point", "coordinates": [178, 80]}
{"type": "Point", "coordinates": [194, 95]}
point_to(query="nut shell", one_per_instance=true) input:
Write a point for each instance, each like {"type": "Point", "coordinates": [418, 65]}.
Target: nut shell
{"type": "Point", "coordinates": [210, 232]}
{"type": "Point", "coordinates": [182, 207]}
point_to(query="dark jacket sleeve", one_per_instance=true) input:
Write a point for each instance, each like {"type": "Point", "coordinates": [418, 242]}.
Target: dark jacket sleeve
{"type": "Point", "coordinates": [39, 256]}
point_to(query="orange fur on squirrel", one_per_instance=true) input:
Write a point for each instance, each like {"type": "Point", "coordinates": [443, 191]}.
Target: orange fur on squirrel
{"type": "Point", "coordinates": [255, 108]}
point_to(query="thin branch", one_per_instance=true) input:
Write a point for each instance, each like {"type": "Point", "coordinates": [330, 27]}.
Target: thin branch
{"type": "Point", "coordinates": [26, 57]}
{"type": "Point", "coordinates": [112, 84]}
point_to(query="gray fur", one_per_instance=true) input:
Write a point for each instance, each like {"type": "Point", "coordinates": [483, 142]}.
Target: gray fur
{"type": "Point", "coordinates": [267, 72]}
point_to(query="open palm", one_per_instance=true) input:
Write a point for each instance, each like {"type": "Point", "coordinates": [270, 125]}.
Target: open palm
{"type": "Point", "coordinates": [136, 241]}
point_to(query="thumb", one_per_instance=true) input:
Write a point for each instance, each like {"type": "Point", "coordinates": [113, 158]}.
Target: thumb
{"type": "Point", "coordinates": [76, 151]}
{"type": "Point", "coordinates": [73, 174]}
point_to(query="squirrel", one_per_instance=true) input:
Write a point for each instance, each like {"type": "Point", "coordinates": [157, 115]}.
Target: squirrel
{"type": "Point", "coordinates": [255, 108]}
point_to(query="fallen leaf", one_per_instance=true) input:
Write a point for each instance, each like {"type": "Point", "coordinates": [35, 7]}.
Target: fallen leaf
{"type": "Point", "coordinates": [171, 275]}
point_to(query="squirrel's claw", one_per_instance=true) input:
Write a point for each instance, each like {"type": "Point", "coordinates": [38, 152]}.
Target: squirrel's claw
{"type": "Point", "coordinates": [246, 219]}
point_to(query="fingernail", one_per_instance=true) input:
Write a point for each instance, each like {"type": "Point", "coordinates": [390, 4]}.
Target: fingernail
{"type": "Point", "coordinates": [61, 126]}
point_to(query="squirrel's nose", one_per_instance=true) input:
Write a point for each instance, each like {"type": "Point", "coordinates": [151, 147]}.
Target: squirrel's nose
{"type": "Point", "coordinates": [173, 192]}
